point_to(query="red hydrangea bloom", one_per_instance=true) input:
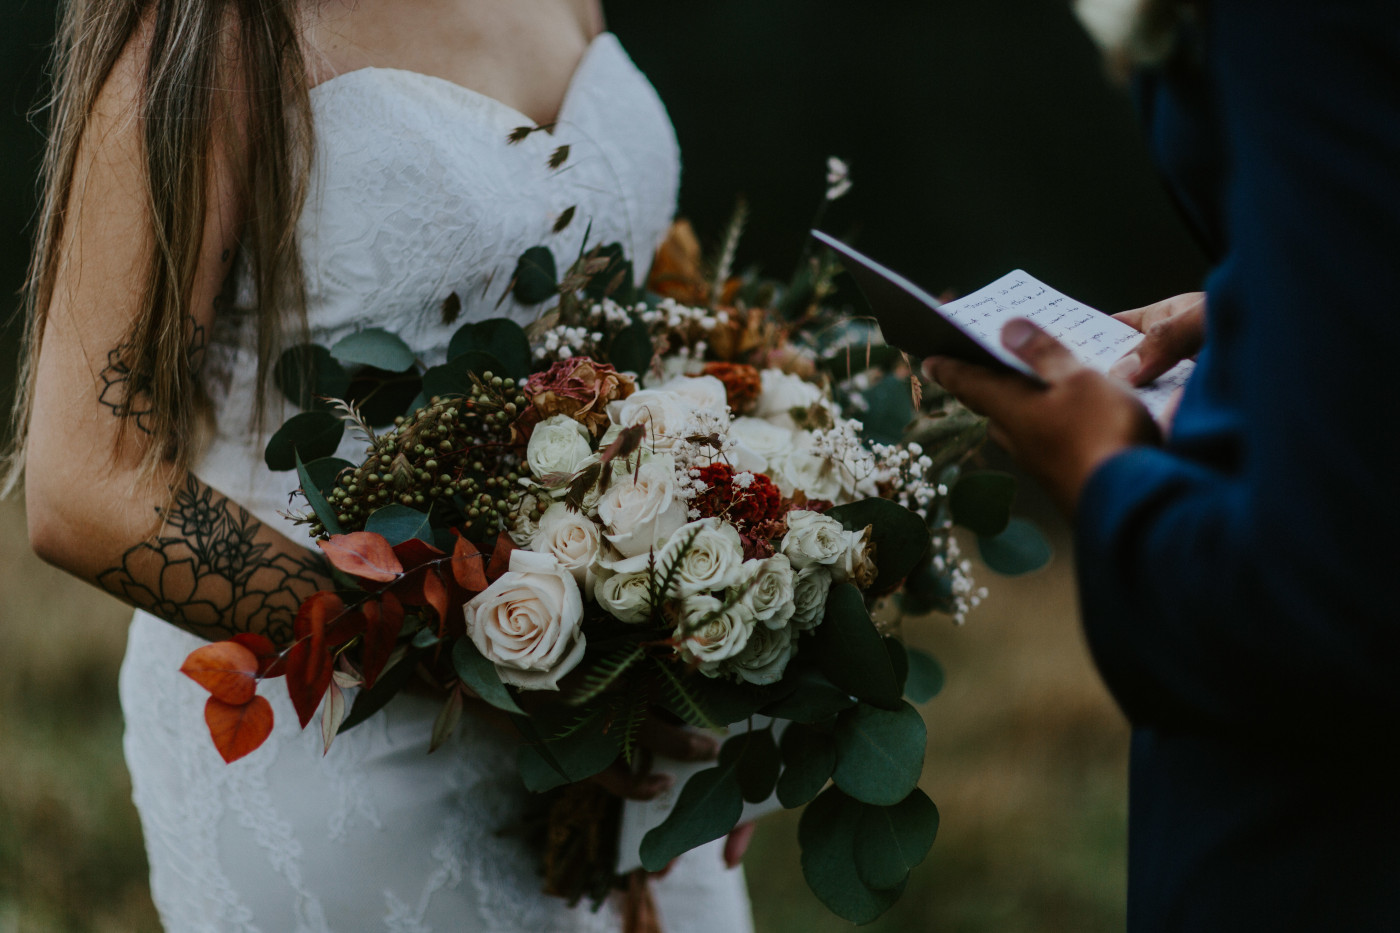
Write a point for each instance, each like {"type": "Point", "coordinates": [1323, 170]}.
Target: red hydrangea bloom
{"type": "Point", "coordinates": [745, 505]}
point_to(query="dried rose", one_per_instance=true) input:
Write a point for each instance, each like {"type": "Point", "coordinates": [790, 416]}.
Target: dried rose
{"type": "Point", "coordinates": [577, 387]}
{"type": "Point", "coordinates": [742, 384]}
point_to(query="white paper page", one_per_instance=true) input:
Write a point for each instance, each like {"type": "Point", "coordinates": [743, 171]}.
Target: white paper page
{"type": "Point", "coordinates": [640, 816]}
{"type": "Point", "coordinates": [1095, 338]}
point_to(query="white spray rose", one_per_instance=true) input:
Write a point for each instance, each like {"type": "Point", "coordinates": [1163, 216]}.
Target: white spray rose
{"type": "Point", "coordinates": [571, 538]}
{"type": "Point", "coordinates": [626, 596]}
{"type": "Point", "coordinates": [857, 563]}
{"type": "Point", "coordinates": [765, 657]}
{"type": "Point", "coordinates": [557, 445]}
{"type": "Point", "coordinates": [768, 441]}
{"type": "Point", "coordinates": [708, 633]}
{"type": "Point", "coordinates": [643, 509]}
{"type": "Point", "coordinates": [704, 392]}
{"type": "Point", "coordinates": [707, 554]}
{"type": "Point", "coordinates": [526, 520]}
{"type": "Point", "coordinates": [810, 589]}
{"type": "Point", "coordinates": [783, 392]}
{"type": "Point", "coordinates": [664, 413]}
{"type": "Point", "coordinates": [529, 622]}
{"type": "Point", "coordinates": [799, 468]}
{"type": "Point", "coordinates": [813, 538]}
{"type": "Point", "coordinates": [765, 587]}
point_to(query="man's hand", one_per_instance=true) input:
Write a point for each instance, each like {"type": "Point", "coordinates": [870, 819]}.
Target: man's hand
{"type": "Point", "coordinates": [1174, 330]}
{"type": "Point", "coordinates": [1060, 432]}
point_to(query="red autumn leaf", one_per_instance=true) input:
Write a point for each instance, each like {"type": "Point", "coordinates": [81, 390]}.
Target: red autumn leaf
{"type": "Point", "coordinates": [363, 554]}
{"type": "Point", "coordinates": [500, 557]}
{"type": "Point", "coordinates": [384, 621]}
{"type": "Point", "coordinates": [309, 661]}
{"type": "Point", "coordinates": [415, 552]}
{"type": "Point", "coordinates": [270, 661]}
{"type": "Point", "coordinates": [317, 613]}
{"type": "Point", "coordinates": [468, 566]}
{"type": "Point", "coordinates": [238, 728]}
{"type": "Point", "coordinates": [226, 669]}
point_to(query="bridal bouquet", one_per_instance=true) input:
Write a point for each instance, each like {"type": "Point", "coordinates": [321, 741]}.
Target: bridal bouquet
{"type": "Point", "coordinates": [683, 502]}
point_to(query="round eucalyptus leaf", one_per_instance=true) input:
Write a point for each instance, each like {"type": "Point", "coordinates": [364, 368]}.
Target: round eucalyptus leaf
{"type": "Point", "coordinates": [981, 501]}
{"type": "Point", "coordinates": [813, 698]}
{"type": "Point", "coordinates": [312, 434]}
{"type": "Point", "coordinates": [536, 276]}
{"type": "Point", "coordinates": [901, 538]}
{"type": "Point", "coordinates": [809, 757]}
{"type": "Point", "coordinates": [399, 523]}
{"type": "Point", "coordinates": [879, 753]}
{"type": "Point", "coordinates": [477, 672]}
{"type": "Point", "coordinates": [708, 807]}
{"type": "Point", "coordinates": [851, 653]}
{"type": "Point", "coordinates": [500, 338]}
{"type": "Point", "coordinates": [756, 756]}
{"type": "Point", "coordinates": [631, 349]}
{"type": "Point", "coordinates": [827, 834]}
{"type": "Point", "coordinates": [382, 396]}
{"type": "Point", "coordinates": [455, 376]}
{"type": "Point", "coordinates": [374, 346]}
{"type": "Point", "coordinates": [890, 412]}
{"type": "Point", "coordinates": [891, 841]}
{"type": "Point", "coordinates": [925, 676]}
{"type": "Point", "coordinates": [1021, 548]}
{"type": "Point", "coordinates": [308, 375]}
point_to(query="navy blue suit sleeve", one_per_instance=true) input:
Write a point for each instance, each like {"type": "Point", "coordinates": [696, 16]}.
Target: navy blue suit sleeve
{"type": "Point", "coordinates": [1257, 591]}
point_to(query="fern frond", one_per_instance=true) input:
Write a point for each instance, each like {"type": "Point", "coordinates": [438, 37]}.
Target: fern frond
{"type": "Point", "coordinates": [670, 569]}
{"type": "Point", "coordinates": [687, 706]}
{"type": "Point", "coordinates": [724, 265]}
{"type": "Point", "coordinates": [583, 719]}
{"type": "Point", "coordinates": [607, 672]}
{"type": "Point", "coordinates": [630, 719]}
{"type": "Point", "coordinates": [351, 415]}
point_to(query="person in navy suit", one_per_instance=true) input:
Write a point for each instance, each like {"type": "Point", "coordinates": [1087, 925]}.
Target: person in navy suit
{"type": "Point", "coordinates": [1238, 579]}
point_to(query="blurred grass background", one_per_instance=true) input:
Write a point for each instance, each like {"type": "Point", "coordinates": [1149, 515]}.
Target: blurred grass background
{"type": "Point", "coordinates": [982, 137]}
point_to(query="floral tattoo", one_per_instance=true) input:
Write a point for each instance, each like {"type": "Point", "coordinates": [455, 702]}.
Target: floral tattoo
{"type": "Point", "coordinates": [130, 400]}
{"type": "Point", "coordinates": [209, 573]}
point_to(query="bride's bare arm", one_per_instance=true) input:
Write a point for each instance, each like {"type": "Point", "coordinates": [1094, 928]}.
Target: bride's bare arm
{"type": "Point", "coordinates": [166, 543]}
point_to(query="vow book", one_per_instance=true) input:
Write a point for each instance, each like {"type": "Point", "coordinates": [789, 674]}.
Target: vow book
{"type": "Point", "coordinates": [970, 328]}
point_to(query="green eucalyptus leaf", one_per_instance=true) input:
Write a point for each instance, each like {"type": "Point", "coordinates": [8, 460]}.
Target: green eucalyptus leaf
{"type": "Point", "coordinates": [382, 396]}
{"type": "Point", "coordinates": [891, 409]}
{"type": "Point", "coordinates": [313, 435]}
{"type": "Point", "coordinates": [899, 660]}
{"type": "Point", "coordinates": [925, 676]}
{"type": "Point", "coordinates": [725, 701]}
{"type": "Point", "coordinates": [813, 698]}
{"type": "Point", "coordinates": [582, 753]}
{"type": "Point", "coordinates": [536, 276]}
{"type": "Point", "coordinates": [631, 349]}
{"type": "Point", "coordinates": [315, 499]}
{"type": "Point", "coordinates": [827, 834]}
{"type": "Point", "coordinates": [308, 375]}
{"type": "Point", "coordinates": [891, 841]}
{"type": "Point", "coordinates": [809, 757]}
{"type": "Point", "coordinates": [879, 753]}
{"type": "Point", "coordinates": [390, 682]}
{"type": "Point", "coordinates": [981, 501]}
{"type": "Point", "coordinates": [499, 338]}
{"type": "Point", "coordinates": [375, 346]}
{"type": "Point", "coordinates": [708, 807]}
{"type": "Point", "coordinates": [323, 473]}
{"type": "Point", "coordinates": [851, 653]}
{"type": "Point", "coordinates": [398, 523]}
{"type": "Point", "coordinates": [480, 674]}
{"type": "Point", "coordinates": [1021, 548]}
{"type": "Point", "coordinates": [901, 537]}
{"type": "Point", "coordinates": [455, 376]}
{"type": "Point", "coordinates": [619, 271]}
{"type": "Point", "coordinates": [756, 756]}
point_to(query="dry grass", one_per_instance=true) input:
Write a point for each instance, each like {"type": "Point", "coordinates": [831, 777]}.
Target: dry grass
{"type": "Point", "coordinates": [1026, 762]}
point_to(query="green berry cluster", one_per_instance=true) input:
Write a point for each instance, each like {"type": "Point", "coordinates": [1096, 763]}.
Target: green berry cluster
{"type": "Point", "coordinates": [455, 458]}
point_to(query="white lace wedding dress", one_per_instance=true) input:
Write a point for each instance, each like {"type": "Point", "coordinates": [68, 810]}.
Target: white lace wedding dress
{"type": "Point", "coordinates": [416, 195]}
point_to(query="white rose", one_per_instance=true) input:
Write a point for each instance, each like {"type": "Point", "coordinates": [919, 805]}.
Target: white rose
{"type": "Point", "coordinates": [626, 596]}
{"type": "Point", "coordinates": [856, 564]}
{"type": "Point", "coordinates": [783, 392]}
{"type": "Point", "coordinates": [708, 633]}
{"type": "Point", "coordinates": [705, 392]}
{"type": "Point", "coordinates": [643, 509]}
{"type": "Point", "coordinates": [707, 555]}
{"type": "Point", "coordinates": [767, 441]}
{"type": "Point", "coordinates": [802, 469]}
{"type": "Point", "coordinates": [663, 412]}
{"type": "Point", "coordinates": [813, 538]}
{"type": "Point", "coordinates": [571, 538]}
{"type": "Point", "coordinates": [529, 622]}
{"type": "Point", "coordinates": [557, 445]}
{"type": "Point", "coordinates": [765, 657]}
{"type": "Point", "coordinates": [766, 589]}
{"type": "Point", "coordinates": [526, 521]}
{"type": "Point", "coordinates": [810, 589]}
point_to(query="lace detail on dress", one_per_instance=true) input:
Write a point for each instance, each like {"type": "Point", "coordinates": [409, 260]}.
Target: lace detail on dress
{"type": "Point", "coordinates": [415, 195]}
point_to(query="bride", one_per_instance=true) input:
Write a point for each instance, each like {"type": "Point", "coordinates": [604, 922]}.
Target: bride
{"type": "Point", "coordinates": [225, 179]}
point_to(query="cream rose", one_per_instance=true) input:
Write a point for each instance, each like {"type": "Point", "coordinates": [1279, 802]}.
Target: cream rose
{"type": "Point", "coordinates": [783, 392]}
{"type": "Point", "coordinates": [765, 587]}
{"type": "Point", "coordinates": [643, 509]}
{"type": "Point", "coordinates": [765, 657]}
{"type": "Point", "coordinates": [799, 468]}
{"type": "Point", "coordinates": [707, 555]}
{"type": "Point", "coordinates": [709, 634]}
{"type": "Point", "coordinates": [557, 445]}
{"type": "Point", "coordinates": [705, 392]}
{"type": "Point", "coordinates": [526, 520]}
{"type": "Point", "coordinates": [663, 412]}
{"type": "Point", "coordinates": [768, 442]}
{"type": "Point", "coordinates": [813, 538]}
{"type": "Point", "coordinates": [571, 538]}
{"type": "Point", "coordinates": [529, 622]}
{"type": "Point", "coordinates": [857, 563]}
{"type": "Point", "coordinates": [809, 591]}
{"type": "Point", "coordinates": [626, 596]}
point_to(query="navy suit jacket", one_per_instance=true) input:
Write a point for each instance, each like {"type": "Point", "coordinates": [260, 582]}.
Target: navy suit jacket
{"type": "Point", "coordinates": [1241, 587]}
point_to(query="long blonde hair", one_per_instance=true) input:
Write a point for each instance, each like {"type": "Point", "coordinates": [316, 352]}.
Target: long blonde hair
{"type": "Point", "coordinates": [194, 43]}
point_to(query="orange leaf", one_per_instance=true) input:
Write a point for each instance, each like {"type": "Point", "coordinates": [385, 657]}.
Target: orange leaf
{"type": "Point", "coordinates": [384, 621]}
{"type": "Point", "coordinates": [238, 728]}
{"type": "Point", "coordinates": [270, 661]}
{"type": "Point", "coordinates": [415, 552]}
{"type": "Point", "coordinates": [309, 661]}
{"type": "Point", "coordinates": [317, 613]}
{"type": "Point", "coordinates": [500, 557]}
{"type": "Point", "coordinates": [468, 566]}
{"type": "Point", "coordinates": [226, 669]}
{"type": "Point", "coordinates": [363, 554]}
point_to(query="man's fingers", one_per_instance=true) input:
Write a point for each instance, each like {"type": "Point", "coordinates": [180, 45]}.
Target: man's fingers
{"type": "Point", "coordinates": [618, 780]}
{"type": "Point", "coordinates": [970, 384]}
{"type": "Point", "coordinates": [677, 742]}
{"type": "Point", "coordinates": [1167, 342]}
{"type": "Point", "coordinates": [1050, 359]}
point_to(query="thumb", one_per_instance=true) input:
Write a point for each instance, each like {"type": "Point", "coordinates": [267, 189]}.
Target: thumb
{"type": "Point", "coordinates": [1050, 359]}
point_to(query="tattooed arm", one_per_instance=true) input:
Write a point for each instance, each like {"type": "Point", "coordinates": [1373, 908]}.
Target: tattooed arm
{"type": "Point", "coordinates": [169, 543]}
